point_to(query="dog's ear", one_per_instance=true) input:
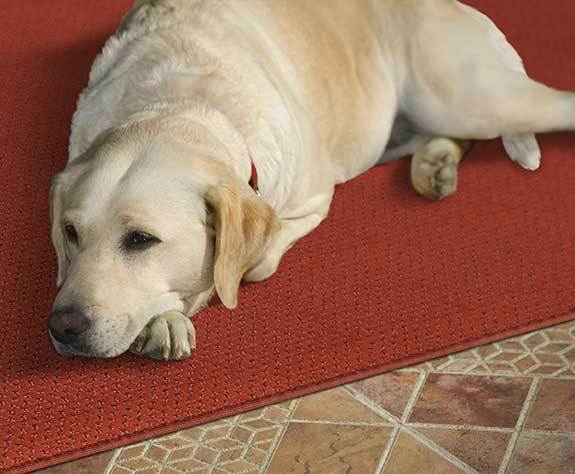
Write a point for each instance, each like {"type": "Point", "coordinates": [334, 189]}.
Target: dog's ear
{"type": "Point", "coordinates": [57, 233]}
{"type": "Point", "coordinates": [244, 225]}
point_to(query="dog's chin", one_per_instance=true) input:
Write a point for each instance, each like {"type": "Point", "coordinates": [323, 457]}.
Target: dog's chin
{"type": "Point", "coordinates": [73, 350]}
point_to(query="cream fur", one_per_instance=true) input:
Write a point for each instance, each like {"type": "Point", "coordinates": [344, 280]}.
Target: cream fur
{"type": "Point", "coordinates": [187, 92]}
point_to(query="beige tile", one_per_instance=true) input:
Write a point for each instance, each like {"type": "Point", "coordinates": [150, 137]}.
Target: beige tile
{"type": "Point", "coordinates": [132, 452]}
{"type": "Point", "coordinates": [335, 405]}
{"type": "Point", "coordinates": [543, 454]}
{"type": "Point", "coordinates": [157, 453]}
{"type": "Point", "coordinates": [554, 407]}
{"type": "Point", "coordinates": [471, 400]}
{"type": "Point", "coordinates": [390, 391]}
{"type": "Point", "coordinates": [138, 464]}
{"type": "Point", "coordinates": [95, 464]}
{"type": "Point", "coordinates": [186, 465]}
{"type": "Point", "coordinates": [482, 450]}
{"type": "Point", "coordinates": [533, 340]}
{"type": "Point", "coordinates": [409, 456]}
{"type": "Point", "coordinates": [120, 470]}
{"type": "Point", "coordinates": [238, 465]}
{"type": "Point", "coordinates": [329, 448]}
{"type": "Point", "coordinates": [487, 351]}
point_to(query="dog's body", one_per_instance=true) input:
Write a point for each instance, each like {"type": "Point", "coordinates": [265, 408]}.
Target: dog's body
{"type": "Point", "coordinates": [189, 93]}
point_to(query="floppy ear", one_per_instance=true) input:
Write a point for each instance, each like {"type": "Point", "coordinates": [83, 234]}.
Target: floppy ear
{"type": "Point", "coordinates": [244, 225]}
{"type": "Point", "coordinates": [57, 234]}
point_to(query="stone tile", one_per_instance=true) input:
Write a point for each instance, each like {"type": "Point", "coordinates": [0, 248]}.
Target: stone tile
{"type": "Point", "coordinates": [459, 365]}
{"type": "Point", "coordinates": [152, 470]}
{"type": "Point", "coordinates": [410, 456]}
{"type": "Point", "coordinates": [138, 464]}
{"type": "Point", "coordinates": [121, 470]}
{"type": "Point", "coordinates": [541, 454]}
{"type": "Point", "coordinates": [230, 455]}
{"type": "Point", "coordinates": [157, 453]}
{"type": "Point", "coordinates": [238, 466]}
{"type": "Point", "coordinates": [265, 435]}
{"type": "Point", "coordinates": [553, 347]}
{"type": "Point", "coordinates": [329, 448]}
{"type": "Point", "coordinates": [259, 424]}
{"type": "Point", "coordinates": [132, 452]}
{"type": "Point", "coordinates": [187, 465]}
{"type": "Point", "coordinates": [334, 405]}
{"type": "Point", "coordinates": [276, 414]}
{"type": "Point", "coordinates": [554, 407]}
{"type": "Point", "coordinates": [471, 400]}
{"type": "Point", "coordinates": [390, 391]}
{"type": "Point", "coordinates": [466, 355]}
{"type": "Point", "coordinates": [487, 351]}
{"type": "Point", "coordinates": [218, 431]}
{"type": "Point", "coordinates": [173, 443]}
{"type": "Point", "coordinates": [94, 464]}
{"type": "Point", "coordinates": [482, 450]}
{"type": "Point", "coordinates": [182, 453]}
{"type": "Point", "coordinates": [256, 456]}
{"type": "Point", "coordinates": [241, 434]}
{"type": "Point", "coordinates": [570, 356]}
{"type": "Point", "coordinates": [525, 363]}
{"type": "Point", "coordinates": [533, 340]}
{"type": "Point", "coordinates": [511, 345]}
{"type": "Point", "coordinates": [545, 370]}
{"type": "Point", "coordinates": [506, 357]}
{"type": "Point", "coordinates": [194, 433]}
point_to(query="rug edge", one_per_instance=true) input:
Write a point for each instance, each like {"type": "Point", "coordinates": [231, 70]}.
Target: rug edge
{"type": "Point", "coordinates": [294, 393]}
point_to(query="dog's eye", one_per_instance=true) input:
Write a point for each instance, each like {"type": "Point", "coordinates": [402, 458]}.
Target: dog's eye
{"type": "Point", "coordinates": [71, 233]}
{"type": "Point", "coordinates": [139, 241]}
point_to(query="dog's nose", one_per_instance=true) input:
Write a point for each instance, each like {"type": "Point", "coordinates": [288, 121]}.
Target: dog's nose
{"type": "Point", "coordinates": [67, 325]}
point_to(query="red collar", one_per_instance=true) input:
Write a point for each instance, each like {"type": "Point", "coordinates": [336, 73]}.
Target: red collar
{"type": "Point", "coordinates": [254, 178]}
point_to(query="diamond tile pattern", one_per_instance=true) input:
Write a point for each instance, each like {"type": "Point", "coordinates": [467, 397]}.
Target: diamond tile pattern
{"type": "Point", "coordinates": [241, 443]}
{"type": "Point", "coordinates": [503, 407]}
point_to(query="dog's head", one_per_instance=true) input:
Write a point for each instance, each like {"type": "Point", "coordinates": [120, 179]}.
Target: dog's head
{"type": "Point", "coordinates": [142, 223]}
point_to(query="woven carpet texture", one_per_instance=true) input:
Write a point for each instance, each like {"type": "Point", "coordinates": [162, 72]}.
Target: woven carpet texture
{"type": "Point", "coordinates": [388, 280]}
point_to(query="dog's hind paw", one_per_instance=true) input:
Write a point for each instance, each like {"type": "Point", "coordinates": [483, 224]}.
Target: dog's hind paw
{"type": "Point", "coordinates": [523, 149]}
{"type": "Point", "coordinates": [168, 336]}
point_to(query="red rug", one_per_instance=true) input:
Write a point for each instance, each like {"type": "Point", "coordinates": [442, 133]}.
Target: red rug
{"type": "Point", "coordinates": [388, 280]}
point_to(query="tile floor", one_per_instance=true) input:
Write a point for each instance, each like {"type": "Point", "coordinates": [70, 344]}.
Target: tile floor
{"type": "Point", "coordinates": [506, 407]}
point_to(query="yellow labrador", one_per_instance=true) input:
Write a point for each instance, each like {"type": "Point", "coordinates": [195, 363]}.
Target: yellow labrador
{"type": "Point", "coordinates": [155, 210]}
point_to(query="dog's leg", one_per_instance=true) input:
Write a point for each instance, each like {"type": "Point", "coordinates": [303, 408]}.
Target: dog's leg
{"type": "Point", "coordinates": [469, 92]}
{"type": "Point", "coordinates": [404, 140]}
{"type": "Point", "coordinates": [522, 148]}
{"type": "Point", "coordinates": [434, 167]}
{"type": "Point", "coordinates": [511, 104]}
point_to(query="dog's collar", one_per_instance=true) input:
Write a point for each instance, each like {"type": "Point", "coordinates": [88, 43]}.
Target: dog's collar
{"type": "Point", "coordinates": [254, 178]}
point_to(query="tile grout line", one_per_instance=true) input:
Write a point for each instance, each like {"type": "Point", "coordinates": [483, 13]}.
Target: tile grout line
{"type": "Point", "coordinates": [568, 434]}
{"type": "Point", "coordinates": [387, 451]}
{"type": "Point", "coordinates": [408, 429]}
{"type": "Point", "coordinates": [521, 420]}
{"type": "Point", "coordinates": [112, 463]}
{"type": "Point", "coordinates": [330, 422]}
{"type": "Point", "coordinates": [493, 373]}
{"type": "Point", "coordinates": [461, 427]}
{"type": "Point", "coordinates": [414, 397]}
{"type": "Point", "coordinates": [280, 438]}
{"type": "Point", "coordinates": [406, 413]}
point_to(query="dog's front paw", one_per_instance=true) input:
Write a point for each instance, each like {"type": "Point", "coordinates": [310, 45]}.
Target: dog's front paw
{"type": "Point", "coordinates": [168, 336]}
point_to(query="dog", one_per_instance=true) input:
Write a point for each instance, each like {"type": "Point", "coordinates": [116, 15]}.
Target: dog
{"type": "Point", "coordinates": [212, 133]}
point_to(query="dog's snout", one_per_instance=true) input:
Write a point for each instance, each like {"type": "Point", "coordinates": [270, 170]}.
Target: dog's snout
{"type": "Point", "coordinates": [67, 325]}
